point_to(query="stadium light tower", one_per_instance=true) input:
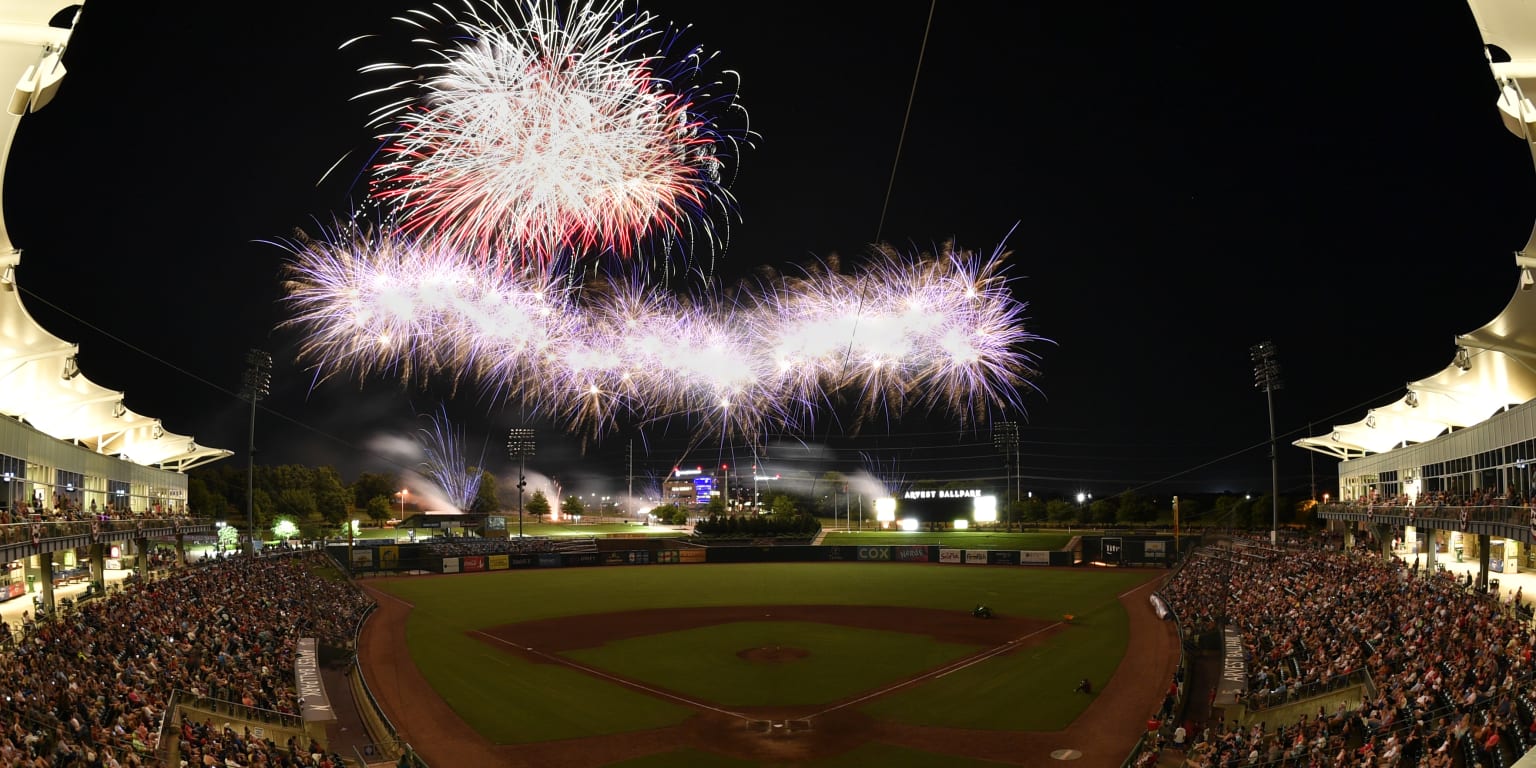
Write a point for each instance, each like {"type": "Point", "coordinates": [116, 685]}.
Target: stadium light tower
{"type": "Point", "coordinates": [1266, 376]}
{"type": "Point", "coordinates": [256, 384]}
{"type": "Point", "coordinates": [1005, 437]}
{"type": "Point", "coordinates": [520, 446]}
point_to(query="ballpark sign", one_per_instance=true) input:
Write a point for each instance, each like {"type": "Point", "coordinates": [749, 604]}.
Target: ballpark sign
{"type": "Point", "coordinates": [313, 703]}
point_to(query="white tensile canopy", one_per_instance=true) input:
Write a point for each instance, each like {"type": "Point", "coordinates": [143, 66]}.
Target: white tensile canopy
{"type": "Point", "coordinates": [41, 382]}
{"type": "Point", "coordinates": [1494, 367]}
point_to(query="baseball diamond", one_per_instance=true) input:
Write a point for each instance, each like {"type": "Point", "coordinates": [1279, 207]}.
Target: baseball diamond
{"type": "Point", "coordinates": [814, 665]}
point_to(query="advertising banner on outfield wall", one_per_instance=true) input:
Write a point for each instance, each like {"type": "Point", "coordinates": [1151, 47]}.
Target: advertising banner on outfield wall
{"type": "Point", "coordinates": [549, 560]}
{"type": "Point", "coordinates": [951, 556]}
{"type": "Point", "coordinates": [474, 563]}
{"type": "Point", "coordinates": [627, 557]}
{"type": "Point", "coordinates": [976, 556]}
{"type": "Point", "coordinates": [910, 554]}
{"type": "Point", "coordinates": [498, 563]}
{"type": "Point", "coordinates": [389, 558]}
{"type": "Point", "coordinates": [875, 553]}
{"type": "Point", "coordinates": [1004, 557]}
{"type": "Point", "coordinates": [313, 703]}
{"type": "Point", "coordinates": [362, 559]}
{"type": "Point", "coordinates": [450, 565]}
{"type": "Point", "coordinates": [1034, 557]}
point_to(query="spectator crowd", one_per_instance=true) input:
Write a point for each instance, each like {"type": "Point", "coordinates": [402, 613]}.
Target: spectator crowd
{"type": "Point", "coordinates": [1449, 667]}
{"type": "Point", "coordinates": [90, 689]}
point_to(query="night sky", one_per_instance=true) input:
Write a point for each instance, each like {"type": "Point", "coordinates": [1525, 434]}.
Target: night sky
{"type": "Point", "coordinates": [1179, 186]}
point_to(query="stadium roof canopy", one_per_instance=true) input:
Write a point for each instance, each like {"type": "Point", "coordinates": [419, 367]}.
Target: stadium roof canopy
{"type": "Point", "coordinates": [1494, 367]}
{"type": "Point", "coordinates": [41, 382]}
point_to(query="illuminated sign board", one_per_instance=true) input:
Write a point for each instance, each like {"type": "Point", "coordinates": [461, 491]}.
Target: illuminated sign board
{"type": "Point", "coordinates": [943, 506]}
{"type": "Point", "coordinates": [703, 489]}
{"type": "Point", "coordinates": [944, 493]}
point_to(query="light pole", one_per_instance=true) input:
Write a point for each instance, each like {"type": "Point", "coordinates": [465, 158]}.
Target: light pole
{"type": "Point", "coordinates": [403, 493]}
{"type": "Point", "coordinates": [520, 446]}
{"type": "Point", "coordinates": [725, 475]}
{"type": "Point", "coordinates": [256, 385]}
{"type": "Point", "coordinates": [1005, 437]}
{"type": "Point", "coordinates": [1266, 376]}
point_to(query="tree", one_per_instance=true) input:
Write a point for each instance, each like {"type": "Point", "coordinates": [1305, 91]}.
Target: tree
{"type": "Point", "coordinates": [297, 503]}
{"type": "Point", "coordinates": [332, 500]}
{"type": "Point", "coordinates": [783, 506]}
{"type": "Point", "coordinates": [204, 501]}
{"type": "Point", "coordinates": [572, 507]}
{"type": "Point", "coordinates": [1134, 508]}
{"type": "Point", "coordinates": [379, 509]}
{"type": "Point", "coordinates": [369, 485]}
{"type": "Point", "coordinates": [486, 501]}
{"type": "Point", "coordinates": [1061, 510]}
{"type": "Point", "coordinates": [824, 492]}
{"type": "Point", "coordinates": [263, 508]}
{"type": "Point", "coordinates": [284, 529]}
{"type": "Point", "coordinates": [1032, 509]}
{"type": "Point", "coordinates": [537, 505]}
{"type": "Point", "coordinates": [716, 506]}
{"type": "Point", "coordinates": [669, 514]}
{"type": "Point", "coordinates": [1100, 510]}
{"type": "Point", "coordinates": [1233, 511]}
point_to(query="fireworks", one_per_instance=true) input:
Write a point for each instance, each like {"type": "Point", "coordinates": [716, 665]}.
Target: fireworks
{"type": "Point", "coordinates": [446, 465]}
{"type": "Point", "coordinates": [932, 332]}
{"type": "Point", "coordinates": [531, 137]}
{"type": "Point", "coordinates": [532, 142]}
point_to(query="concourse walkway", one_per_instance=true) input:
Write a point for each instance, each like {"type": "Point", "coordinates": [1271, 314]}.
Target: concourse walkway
{"type": "Point", "coordinates": [15, 610]}
{"type": "Point", "coordinates": [1508, 582]}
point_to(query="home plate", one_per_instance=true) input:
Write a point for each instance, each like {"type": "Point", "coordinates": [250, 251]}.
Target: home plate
{"type": "Point", "coordinates": [1066, 754]}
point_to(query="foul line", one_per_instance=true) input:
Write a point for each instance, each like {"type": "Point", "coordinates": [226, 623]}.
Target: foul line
{"type": "Point", "coordinates": [611, 677]}
{"type": "Point", "coordinates": [954, 666]}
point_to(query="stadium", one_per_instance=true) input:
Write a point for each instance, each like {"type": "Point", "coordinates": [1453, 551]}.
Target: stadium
{"type": "Point", "coordinates": [1396, 632]}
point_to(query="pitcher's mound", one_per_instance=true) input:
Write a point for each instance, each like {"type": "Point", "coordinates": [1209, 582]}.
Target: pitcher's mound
{"type": "Point", "coordinates": [773, 654]}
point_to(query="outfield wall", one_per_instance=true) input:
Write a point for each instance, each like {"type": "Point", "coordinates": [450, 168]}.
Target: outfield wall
{"type": "Point", "coordinates": [397, 558]}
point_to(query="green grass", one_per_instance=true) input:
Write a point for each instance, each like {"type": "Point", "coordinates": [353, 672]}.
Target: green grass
{"type": "Point", "coordinates": [842, 661]}
{"type": "Point", "coordinates": [510, 699]}
{"type": "Point", "coordinates": [1035, 686]}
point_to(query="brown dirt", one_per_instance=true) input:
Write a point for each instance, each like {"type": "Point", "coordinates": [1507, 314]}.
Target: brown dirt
{"type": "Point", "coordinates": [1103, 735]}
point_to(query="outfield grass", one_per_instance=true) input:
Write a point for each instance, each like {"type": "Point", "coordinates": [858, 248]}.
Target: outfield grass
{"type": "Point", "coordinates": [512, 700]}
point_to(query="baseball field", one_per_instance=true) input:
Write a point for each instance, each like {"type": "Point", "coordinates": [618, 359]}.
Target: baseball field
{"type": "Point", "coordinates": [807, 664]}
